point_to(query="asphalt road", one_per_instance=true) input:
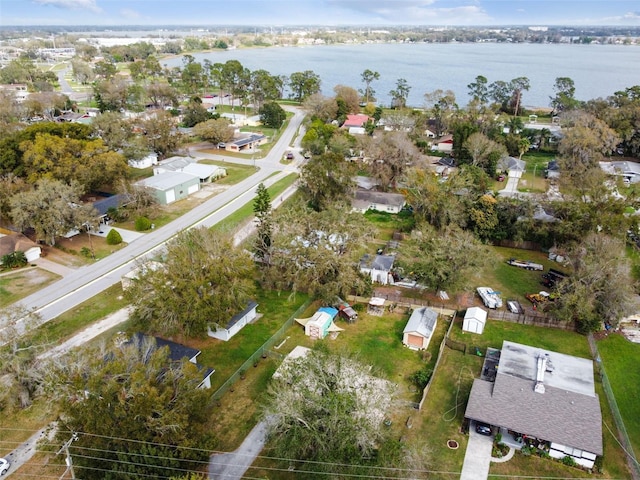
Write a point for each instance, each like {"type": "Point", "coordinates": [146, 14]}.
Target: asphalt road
{"type": "Point", "coordinates": [90, 280]}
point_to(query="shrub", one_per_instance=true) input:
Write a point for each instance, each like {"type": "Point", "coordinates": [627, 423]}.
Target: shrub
{"type": "Point", "coordinates": [114, 237]}
{"type": "Point", "coordinates": [569, 461]}
{"type": "Point", "coordinates": [142, 224]}
{"type": "Point", "coordinates": [14, 260]}
{"type": "Point", "coordinates": [421, 378]}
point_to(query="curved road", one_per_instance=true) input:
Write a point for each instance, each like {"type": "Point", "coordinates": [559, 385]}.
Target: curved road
{"type": "Point", "coordinates": [90, 280]}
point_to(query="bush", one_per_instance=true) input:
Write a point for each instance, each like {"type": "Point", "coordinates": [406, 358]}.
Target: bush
{"type": "Point", "coordinates": [114, 237]}
{"type": "Point", "coordinates": [14, 260]}
{"type": "Point", "coordinates": [421, 378]}
{"type": "Point", "coordinates": [142, 224]}
{"type": "Point", "coordinates": [569, 461]}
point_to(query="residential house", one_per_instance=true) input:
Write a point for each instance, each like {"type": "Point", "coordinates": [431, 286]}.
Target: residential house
{"type": "Point", "coordinates": [169, 187]}
{"type": "Point", "coordinates": [236, 323]}
{"type": "Point", "coordinates": [178, 353]}
{"type": "Point", "coordinates": [419, 329]}
{"type": "Point", "coordinates": [474, 320]}
{"type": "Point", "coordinates": [356, 121]}
{"type": "Point", "coordinates": [443, 144]}
{"type": "Point", "coordinates": [172, 164]}
{"type": "Point", "coordinates": [17, 242]}
{"type": "Point", "coordinates": [147, 161]}
{"type": "Point", "coordinates": [514, 167]}
{"type": "Point", "coordinates": [246, 141]}
{"type": "Point", "coordinates": [541, 398]}
{"type": "Point", "coordinates": [206, 173]}
{"type": "Point", "coordinates": [106, 203]}
{"type": "Point", "coordinates": [629, 171]}
{"type": "Point", "coordinates": [365, 200]}
{"type": "Point", "coordinates": [378, 268]}
{"type": "Point", "coordinates": [366, 183]}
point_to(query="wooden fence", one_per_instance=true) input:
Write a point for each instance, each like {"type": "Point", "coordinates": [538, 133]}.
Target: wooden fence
{"type": "Point", "coordinates": [530, 317]}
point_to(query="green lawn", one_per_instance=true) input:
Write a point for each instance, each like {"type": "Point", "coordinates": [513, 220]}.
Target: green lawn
{"type": "Point", "coordinates": [245, 212]}
{"type": "Point", "coordinates": [72, 321]}
{"type": "Point", "coordinates": [515, 282]}
{"type": "Point", "coordinates": [235, 172]}
{"type": "Point", "coordinates": [620, 359]}
{"type": "Point", "coordinates": [448, 395]}
{"type": "Point", "coordinates": [227, 357]}
{"type": "Point", "coordinates": [22, 283]}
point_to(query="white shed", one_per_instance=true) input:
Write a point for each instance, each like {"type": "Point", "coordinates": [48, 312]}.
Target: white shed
{"type": "Point", "coordinates": [237, 323]}
{"type": "Point", "coordinates": [474, 320]}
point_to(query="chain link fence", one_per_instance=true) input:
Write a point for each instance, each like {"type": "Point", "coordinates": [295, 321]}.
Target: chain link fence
{"type": "Point", "coordinates": [623, 437]}
{"type": "Point", "coordinates": [262, 352]}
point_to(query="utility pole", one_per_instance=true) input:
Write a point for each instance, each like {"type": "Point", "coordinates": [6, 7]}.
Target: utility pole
{"type": "Point", "coordinates": [68, 460]}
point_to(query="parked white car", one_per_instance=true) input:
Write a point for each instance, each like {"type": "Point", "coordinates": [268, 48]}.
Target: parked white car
{"type": "Point", "coordinates": [4, 466]}
{"type": "Point", "coordinates": [490, 298]}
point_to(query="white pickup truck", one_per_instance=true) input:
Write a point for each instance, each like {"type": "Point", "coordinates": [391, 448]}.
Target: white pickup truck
{"type": "Point", "coordinates": [525, 264]}
{"type": "Point", "coordinates": [490, 298]}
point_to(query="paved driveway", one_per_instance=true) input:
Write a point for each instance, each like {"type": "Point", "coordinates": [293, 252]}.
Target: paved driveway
{"type": "Point", "coordinates": [477, 458]}
{"type": "Point", "coordinates": [232, 466]}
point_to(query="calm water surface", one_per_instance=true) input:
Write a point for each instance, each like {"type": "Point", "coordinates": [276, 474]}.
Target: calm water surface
{"type": "Point", "coordinates": [597, 70]}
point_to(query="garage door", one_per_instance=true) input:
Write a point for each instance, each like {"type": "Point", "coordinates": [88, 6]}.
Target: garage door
{"type": "Point", "coordinates": [414, 340]}
{"type": "Point", "coordinates": [170, 195]}
{"type": "Point", "coordinates": [192, 189]}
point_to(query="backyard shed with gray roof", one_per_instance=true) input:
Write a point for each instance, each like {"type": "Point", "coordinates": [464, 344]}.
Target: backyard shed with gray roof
{"type": "Point", "coordinates": [542, 395]}
{"type": "Point", "coordinates": [419, 329]}
{"type": "Point", "coordinates": [236, 323]}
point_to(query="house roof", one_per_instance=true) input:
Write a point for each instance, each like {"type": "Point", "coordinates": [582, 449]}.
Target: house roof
{"type": "Point", "coordinates": [102, 205]}
{"type": "Point", "coordinates": [511, 163]}
{"type": "Point", "coordinates": [379, 262]}
{"type": "Point", "coordinates": [366, 183]}
{"type": "Point", "coordinates": [175, 164]}
{"type": "Point", "coordinates": [630, 168]}
{"type": "Point", "coordinates": [201, 170]}
{"type": "Point", "coordinates": [476, 313]}
{"type": "Point", "coordinates": [240, 315]}
{"type": "Point", "coordinates": [380, 198]}
{"type": "Point", "coordinates": [423, 321]}
{"type": "Point", "coordinates": [177, 352]}
{"type": "Point", "coordinates": [254, 137]}
{"type": "Point", "coordinates": [568, 412]}
{"type": "Point", "coordinates": [15, 242]}
{"type": "Point", "coordinates": [447, 161]}
{"type": "Point", "coordinates": [445, 139]}
{"type": "Point", "coordinates": [168, 180]}
{"type": "Point", "coordinates": [357, 120]}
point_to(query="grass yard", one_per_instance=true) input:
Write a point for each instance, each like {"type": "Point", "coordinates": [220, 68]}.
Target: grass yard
{"type": "Point", "coordinates": [452, 383]}
{"type": "Point", "coordinates": [495, 332]}
{"type": "Point", "coordinates": [227, 357]}
{"type": "Point", "coordinates": [245, 212]}
{"type": "Point", "coordinates": [620, 359]}
{"type": "Point", "coordinates": [74, 320]}
{"type": "Point", "coordinates": [235, 172]}
{"type": "Point", "coordinates": [388, 223]}
{"type": "Point", "coordinates": [516, 282]}
{"type": "Point", "coordinates": [21, 283]}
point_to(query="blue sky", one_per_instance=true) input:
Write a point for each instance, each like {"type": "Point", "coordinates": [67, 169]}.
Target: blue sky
{"type": "Point", "coordinates": [320, 12]}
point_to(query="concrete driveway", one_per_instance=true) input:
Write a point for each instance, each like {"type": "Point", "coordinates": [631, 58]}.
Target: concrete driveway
{"type": "Point", "coordinates": [233, 465]}
{"type": "Point", "coordinates": [128, 236]}
{"type": "Point", "coordinates": [477, 458]}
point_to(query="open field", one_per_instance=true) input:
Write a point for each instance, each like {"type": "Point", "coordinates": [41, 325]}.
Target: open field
{"type": "Point", "coordinates": [21, 283]}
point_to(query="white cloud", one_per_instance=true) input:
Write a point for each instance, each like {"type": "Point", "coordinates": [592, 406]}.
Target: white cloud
{"type": "Point", "coordinates": [73, 4]}
{"type": "Point", "coordinates": [130, 14]}
{"type": "Point", "coordinates": [414, 12]}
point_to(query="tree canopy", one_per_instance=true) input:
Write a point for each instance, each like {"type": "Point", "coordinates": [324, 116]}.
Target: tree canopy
{"type": "Point", "coordinates": [135, 412]}
{"type": "Point", "coordinates": [203, 267]}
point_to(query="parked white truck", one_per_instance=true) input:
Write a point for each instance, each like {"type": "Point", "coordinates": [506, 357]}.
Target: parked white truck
{"type": "Point", "coordinates": [490, 298]}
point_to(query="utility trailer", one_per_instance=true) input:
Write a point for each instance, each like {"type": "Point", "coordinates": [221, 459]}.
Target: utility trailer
{"type": "Point", "coordinates": [525, 264]}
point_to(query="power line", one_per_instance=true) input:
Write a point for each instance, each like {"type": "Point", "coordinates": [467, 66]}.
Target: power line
{"type": "Point", "coordinates": [263, 457]}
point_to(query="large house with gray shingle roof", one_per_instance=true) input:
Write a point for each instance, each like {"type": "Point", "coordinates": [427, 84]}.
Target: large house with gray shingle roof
{"type": "Point", "coordinates": [543, 397]}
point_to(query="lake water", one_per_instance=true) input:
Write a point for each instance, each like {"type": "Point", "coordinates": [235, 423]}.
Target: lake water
{"type": "Point", "coordinates": [597, 70]}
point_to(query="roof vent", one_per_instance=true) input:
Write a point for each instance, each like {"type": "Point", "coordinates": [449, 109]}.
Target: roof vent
{"type": "Point", "coordinates": [542, 366]}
